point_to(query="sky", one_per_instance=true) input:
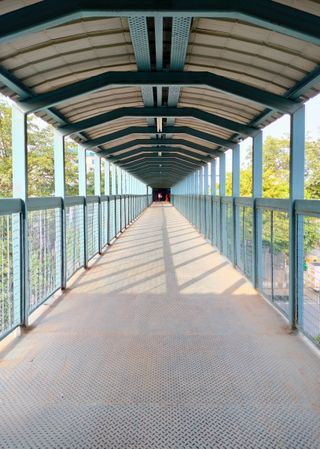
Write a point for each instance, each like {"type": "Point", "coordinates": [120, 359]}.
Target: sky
{"type": "Point", "coordinates": [281, 127]}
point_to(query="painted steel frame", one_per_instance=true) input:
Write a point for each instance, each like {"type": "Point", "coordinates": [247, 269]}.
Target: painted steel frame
{"type": "Point", "coordinates": [273, 16]}
{"type": "Point", "coordinates": [165, 112]}
{"type": "Point", "coordinates": [177, 79]}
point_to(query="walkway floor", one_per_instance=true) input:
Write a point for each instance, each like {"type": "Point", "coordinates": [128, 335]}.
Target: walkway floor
{"type": "Point", "coordinates": [162, 345]}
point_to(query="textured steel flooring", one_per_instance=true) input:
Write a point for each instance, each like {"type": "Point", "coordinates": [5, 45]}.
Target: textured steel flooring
{"type": "Point", "coordinates": [161, 344]}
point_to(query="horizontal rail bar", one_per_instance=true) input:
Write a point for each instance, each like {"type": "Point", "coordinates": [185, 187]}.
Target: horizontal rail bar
{"type": "Point", "coordinates": [10, 206]}
{"type": "Point", "coordinates": [244, 201]}
{"type": "Point", "coordinates": [227, 199]}
{"type": "Point", "coordinates": [92, 199]}
{"type": "Point", "coordinates": [44, 203]}
{"type": "Point", "coordinates": [74, 200]}
{"type": "Point", "coordinates": [307, 207]}
{"type": "Point", "coordinates": [273, 204]}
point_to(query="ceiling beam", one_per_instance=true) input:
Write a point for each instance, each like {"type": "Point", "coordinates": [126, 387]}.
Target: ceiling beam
{"type": "Point", "coordinates": [164, 151]}
{"type": "Point", "coordinates": [264, 13]}
{"type": "Point", "coordinates": [166, 130]}
{"type": "Point", "coordinates": [198, 114]}
{"type": "Point", "coordinates": [159, 143]}
{"type": "Point", "coordinates": [170, 157]}
{"type": "Point", "coordinates": [142, 79]}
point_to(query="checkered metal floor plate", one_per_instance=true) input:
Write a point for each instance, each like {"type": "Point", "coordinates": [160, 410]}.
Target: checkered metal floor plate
{"type": "Point", "coordinates": [162, 344]}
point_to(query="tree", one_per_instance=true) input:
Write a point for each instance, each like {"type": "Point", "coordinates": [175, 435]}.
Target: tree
{"type": "Point", "coordinates": [5, 150]}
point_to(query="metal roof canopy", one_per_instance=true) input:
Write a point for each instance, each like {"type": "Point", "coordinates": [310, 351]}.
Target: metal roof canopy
{"type": "Point", "coordinates": [76, 62]}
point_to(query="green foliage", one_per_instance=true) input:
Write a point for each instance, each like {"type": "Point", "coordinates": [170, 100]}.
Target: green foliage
{"type": "Point", "coordinates": [5, 150]}
{"type": "Point", "coordinates": [40, 157]}
{"type": "Point", "coordinates": [71, 168]}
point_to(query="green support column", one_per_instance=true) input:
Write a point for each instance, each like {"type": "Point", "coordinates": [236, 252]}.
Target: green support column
{"type": "Point", "coordinates": [82, 173]}
{"type": "Point", "coordinates": [257, 160]}
{"type": "Point", "coordinates": [297, 144]}
{"type": "Point", "coordinates": [59, 191]}
{"type": "Point", "coordinates": [236, 193]}
{"type": "Point", "coordinates": [20, 238]}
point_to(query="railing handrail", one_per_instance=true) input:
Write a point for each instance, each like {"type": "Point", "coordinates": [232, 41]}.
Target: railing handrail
{"type": "Point", "coordinates": [10, 206]}
{"type": "Point", "coordinates": [273, 204]}
{"type": "Point", "coordinates": [74, 200]}
{"type": "Point", "coordinates": [44, 203]}
{"type": "Point", "coordinates": [307, 207]}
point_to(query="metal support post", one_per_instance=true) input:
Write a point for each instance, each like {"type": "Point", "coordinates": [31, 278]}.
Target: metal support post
{"type": "Point", "coordinates": [257, 153]}
{"type": "Point", "coordinates": [222, 192]}
{"type": "Point", "coordinates": [97, 192]}
{"type": "Point", "coordinates": [297, 144]}
{"type": "Point", "coordinates": [20, 238]}
{"type": "Point", "coordinates": [236, 193]}
{"type": "Point", "coordinates": [82, 169]}
{"type": "Point", "coordinates": [59, 190]}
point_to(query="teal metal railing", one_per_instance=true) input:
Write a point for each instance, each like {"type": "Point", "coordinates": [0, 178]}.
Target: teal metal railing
{"type": "Point", "coordinates": [254, 236]}
{"type": "Point", "coordinates": [44, 242]}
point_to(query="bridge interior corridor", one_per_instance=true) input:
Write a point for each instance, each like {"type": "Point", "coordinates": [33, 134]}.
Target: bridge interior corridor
{"type": "Point", "coordinates": [160, 344]}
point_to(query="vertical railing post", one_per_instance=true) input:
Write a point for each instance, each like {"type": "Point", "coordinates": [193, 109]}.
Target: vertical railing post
{"type": "Point", "coordinates": [97, 192]}
{"type": "Point", "coordinates": [59, 191]}
{"type": "Point", "coordinates": [257, 152]}
{"type": "Point", "coordinates": [82, 170]}
{"type": "Point", "coordinates": [222, 193]}
{"type": "Point", "coordinates": [297, 143]}
{"type": "Point", "coordinates": [236, 193]}
{"type": "Point", "coordinates": [20, 231]}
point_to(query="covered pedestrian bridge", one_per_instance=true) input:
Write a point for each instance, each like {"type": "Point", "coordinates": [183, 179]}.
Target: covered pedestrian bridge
{"type": "Point", "coordinates": [127, 323]}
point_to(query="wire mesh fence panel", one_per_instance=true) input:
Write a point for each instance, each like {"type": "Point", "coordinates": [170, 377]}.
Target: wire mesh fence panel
{"type": "Point", "coordinates": [245, 256]}
{"type": "Point", "coordinates": [215, 221]}
{"type": "Point", "coordinates": [74, 238]}
{"type": "Point", "coordinates": [122, 213]}
{"type": "Point", "coordinates": [266, 266]}
{"type": "Point", "coordinates": [45, 251]}
{"type": "Point", "coordinates": [125, 208]}
{"type": "Point", "coordinates": [275, 258]}
{"type": "Point", "coordinates": [203, 215]}
{"type": "Point", "coordinates": [112, 229]}
{"type": "Point", "coordinates": [10, 274]}
{"type": "Point", "coordinates": [280, 259]}
{"type": "Point", "coordinates": [227, 228]}
{"type": "Point", "coordinates": [208, 217]}
{"type": "Point", "coordinates": [104, 222]}
{"type": "Point", "coordinates": [92, 229]}
{"type": "Point", "coordinates": [309, 261]}
{"type": "Point", "coordinates": [118, 213]}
